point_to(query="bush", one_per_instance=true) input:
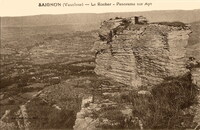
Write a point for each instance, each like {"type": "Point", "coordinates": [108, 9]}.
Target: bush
{"type": "Point", "coordinates": [45, 116]}
{"type": "Point", "coordinates": [113, 116]}
{"type": "Point", "coordinates": [174, 24]}
{"type": "Point", "coordinates": [164, 109]}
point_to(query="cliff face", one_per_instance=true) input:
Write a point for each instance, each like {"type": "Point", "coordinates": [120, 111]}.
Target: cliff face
{"type": "Point", "coordinates": [140, 54]}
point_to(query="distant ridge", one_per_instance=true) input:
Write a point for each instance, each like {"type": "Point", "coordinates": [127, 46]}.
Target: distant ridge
{"type": "Point", "coordinates": [84, 21]}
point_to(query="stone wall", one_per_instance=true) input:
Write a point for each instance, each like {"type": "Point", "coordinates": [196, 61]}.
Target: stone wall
{"type": "Point", "coordinates": [140, 54]}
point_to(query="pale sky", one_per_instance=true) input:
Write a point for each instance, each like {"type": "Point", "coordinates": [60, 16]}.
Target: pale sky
{"type": "Point", "coordinates": [30, 7]}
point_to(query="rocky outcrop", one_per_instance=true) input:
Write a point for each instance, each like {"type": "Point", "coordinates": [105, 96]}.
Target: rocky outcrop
{"type": "Point", "coordinates": [22, 113]}
{"type": "Point", "coordinates": [107, 108]}
{"type": "Point", "coordinates": [83, 118]}
{"type": "Point", "coordinates": [141, 54]}
{"type": "Point", "coordinates": [196, 76]}
{"type": "Point", "coordinates": [4, 125]}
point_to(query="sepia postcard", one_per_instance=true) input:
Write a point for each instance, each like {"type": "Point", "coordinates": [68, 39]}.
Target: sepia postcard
{"type": "Point", "coordinates": [99, 64]}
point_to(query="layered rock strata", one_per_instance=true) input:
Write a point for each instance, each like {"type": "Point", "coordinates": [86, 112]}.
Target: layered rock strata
{"type": "Point", "coordinates": [140, 54]}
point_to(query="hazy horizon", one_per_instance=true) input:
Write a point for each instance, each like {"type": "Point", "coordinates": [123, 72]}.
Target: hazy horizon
{"type": "Point", "coordinates": [11, 8]}
{"type": "Point", "coordinates": [98, 13]}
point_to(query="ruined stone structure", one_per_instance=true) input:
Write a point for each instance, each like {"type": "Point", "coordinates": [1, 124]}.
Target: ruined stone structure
{"type": "Point", "coordinates": [135, 53]}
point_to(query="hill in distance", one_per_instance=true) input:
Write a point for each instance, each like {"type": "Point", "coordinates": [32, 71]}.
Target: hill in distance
{"type": "Point", "coordinates": [20, 27]}
{"type": "Point", "coordinates": [91, 21]}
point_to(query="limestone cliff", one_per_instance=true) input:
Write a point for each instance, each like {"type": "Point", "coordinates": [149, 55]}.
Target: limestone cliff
{"type": "Point", "coordinates": [141, 54]}
{"type": "Point", "coordinates": [138, 54]}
